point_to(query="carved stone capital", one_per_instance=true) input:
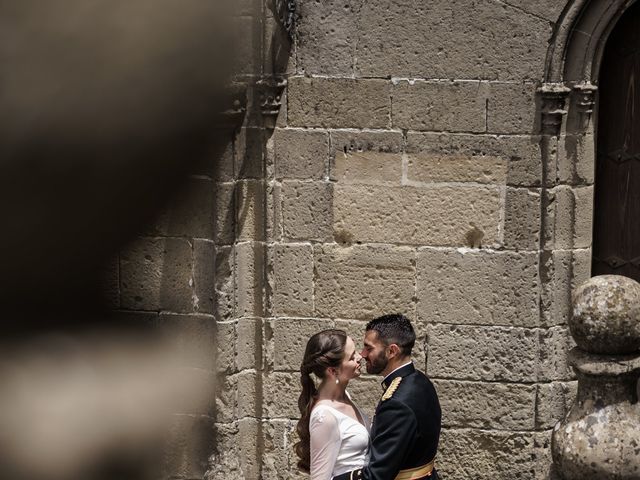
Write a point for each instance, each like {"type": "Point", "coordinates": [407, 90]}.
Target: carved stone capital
{"type": "Point", "coordinates": [286, 13]}
{"type": "Point", "coordinates": [270, 97]}
{"type": "Point", "coordinates": [553, 98]}
{"type": "Point", "coordinates": [585, 100]}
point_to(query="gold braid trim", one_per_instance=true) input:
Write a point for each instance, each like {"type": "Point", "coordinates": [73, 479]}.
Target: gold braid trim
{"type": "Point", "coordinates": [388, 393]}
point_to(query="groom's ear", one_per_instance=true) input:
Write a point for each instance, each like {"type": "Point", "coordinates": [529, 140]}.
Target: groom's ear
{"type": "Point", "coordinates": [394, 350]}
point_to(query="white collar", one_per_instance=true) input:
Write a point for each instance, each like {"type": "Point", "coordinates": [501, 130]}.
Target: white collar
{"type": "Point", "coordinates": [396, 369]}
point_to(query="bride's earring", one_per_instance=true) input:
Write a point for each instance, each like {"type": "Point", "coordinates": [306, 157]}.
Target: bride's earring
{"type": "Point", "coordinates": [337, 381]}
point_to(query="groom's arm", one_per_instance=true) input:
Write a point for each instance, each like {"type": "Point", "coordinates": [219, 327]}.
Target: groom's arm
{"type": "Point", "coordinates": [395, 431]}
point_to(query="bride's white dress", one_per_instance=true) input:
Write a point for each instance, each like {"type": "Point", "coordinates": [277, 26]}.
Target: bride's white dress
{"type": "Point", "coordinates": [338, 442]}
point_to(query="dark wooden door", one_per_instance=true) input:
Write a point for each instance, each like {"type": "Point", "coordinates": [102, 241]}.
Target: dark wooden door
{"type": "Point", "coordinates": [616, 235]}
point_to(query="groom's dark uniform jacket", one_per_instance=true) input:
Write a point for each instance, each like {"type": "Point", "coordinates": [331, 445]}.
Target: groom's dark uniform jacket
{"type": "Point", "coordinates": [405, 429]}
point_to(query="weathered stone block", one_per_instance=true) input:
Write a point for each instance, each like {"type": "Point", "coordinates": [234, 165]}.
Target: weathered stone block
{"type": "Point", "coordinates": [455, 215]}
{"type": "Point", "coordinates": [511, 108]}
{"type": "Point", "coordinates": [300, 153]}
{"type": "Point", "coordinates": [224, 218]}
{"type": "Point", "coordinates": [438, 168]}
{"type": "Point", "coordinates": [225, 342]}
{"type": "Point", "coordinates": [306, 210]}
{"type": "Point", "coordinates": [250, 200]}
{"type": "Point", "coordinates": [357, 141]}
{"type": "Point", "coordinates": [521, 154]}
{"type": "Point", "coordinates": [554, 346]}
{"type": "Point", "coordinates": [576, 159]}
{"type": "Point", "coordinates": [553, 401]}
{"type": "Point", "coordinates": [547, 9]}
{"type": "Point", "coordinates": [522, 219]}
{"type": "Point", "coordinates": [273, 211]}
{"type": "Point", "coordinates": [249, 397]}
{"type": "Point", "coordinates": [249, 152]}
{"type": "Point", "coordinates": [249, 343]}
{"type": "Point", "coordinates": [191, 337]}
{"type": "Point", "coordinates": [338, 102]}
{"type": "Point", "coordinates": [437, 105]}
{"type": "Point", "coordinates": [368, 168]}
{"type": "Point", "coordinates": [278, 450]}
{"type": "Point", "coordinates": [225, 298]}
{"type": "Point", "coordinates": [485, 455]}
{"type": "Point", "coordinates": [362, 282]}
{"type": "Point", "coordinates": [569, 214]}
{"type": "Point", "coordinates": [450, 39]}
{"type": "Point", "coordinates": [486, 405]}
{"type": "Point", "coordinates": [204, 269]}
{"type": "Point", "coordinates": [477, 287]}
{"type": "Point", "coordinates": [281, 391]}
{"type": "Point", "coordinates": [249, 275]}
{"type": "Point", "coordinates": [326, 37]}
{"type": "Point", "coordinates": [227, 399]}
{"type": "Point", "coordinates": [248, 440]}
{"type": "Point", "coordinates": [482, 353]}
{"type": "Point", "coordinates": [288, 339]}
{"type": "Point", "coordinates": [366, 392]}
{"type": "Point", "coordinates": [292, 290]}
{"type": "Point", "coordinates": [155, 274]}
{"type": "Point", "coordinates": [190, 441]}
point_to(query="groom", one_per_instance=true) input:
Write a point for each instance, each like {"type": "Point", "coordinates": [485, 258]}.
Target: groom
{"type": "Point", "coordinates": [406, 424]}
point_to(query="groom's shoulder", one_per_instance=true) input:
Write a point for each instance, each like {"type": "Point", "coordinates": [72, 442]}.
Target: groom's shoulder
{"type": "Point", "coordinates": [416, 382]}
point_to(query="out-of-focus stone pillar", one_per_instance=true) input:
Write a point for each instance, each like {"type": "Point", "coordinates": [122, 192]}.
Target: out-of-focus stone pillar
{"type": "Point", "coordinates": [600, 437]}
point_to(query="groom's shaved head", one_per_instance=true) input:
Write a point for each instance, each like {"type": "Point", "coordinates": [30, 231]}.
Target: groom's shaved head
{"type": "Point", "coordinates": [394, 328]}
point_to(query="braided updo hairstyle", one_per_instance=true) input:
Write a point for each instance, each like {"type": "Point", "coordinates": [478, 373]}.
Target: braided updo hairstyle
{"type": "Point", "coordinates": [324, 349]}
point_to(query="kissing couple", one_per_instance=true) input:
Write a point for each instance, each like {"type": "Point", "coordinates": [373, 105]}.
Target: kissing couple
{"type": "Point", "coordinates": [337, 441]}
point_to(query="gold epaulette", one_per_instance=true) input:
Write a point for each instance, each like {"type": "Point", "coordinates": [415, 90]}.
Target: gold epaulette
{"type": "Point", "coordinates": [388, 393]}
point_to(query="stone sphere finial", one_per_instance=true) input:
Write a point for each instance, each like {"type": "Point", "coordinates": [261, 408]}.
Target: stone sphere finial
{"type": "Point", "coordinates": [606, 315]}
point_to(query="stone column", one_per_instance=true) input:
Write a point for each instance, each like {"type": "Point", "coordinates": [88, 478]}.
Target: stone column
{"type": "Point", "coordinates": [600, 437]}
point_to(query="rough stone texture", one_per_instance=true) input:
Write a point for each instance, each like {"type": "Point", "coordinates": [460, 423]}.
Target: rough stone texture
{"type": "Point", "coordinates": [606, 315]}
{"type": "Point", "coordinates": [155, 274]}
{"type": "Point", "coordinates": [292, 290]}
{"type": "Point", "coordinates": [225, 341]}
{"type": "Point", "coordinates": [436, 106]}
{"type": "Point", "coordinates": [511, 108]}
{"type": "Point", "coordinates": [249, 343]}
{"type": "Point", "coordinates": [249, 153]}
{"type": "Point", "coordinates": [576, 159]}
{"type": "Point", "coordinates": [364, 281]}
{"type": "Point", "coordinates": [438, 215]}
{"type": "Point", "coordinates": [437, 168]}
{"type": "Point", "coordinates": [547, 9]}
{"type": "Point", "coordinates": [224, 213]}
{"type": "Point", "coordinates": [326, 37]}
{"type": "Point", "coordinates": [486, 405]}
{"type": "Point", "coordinates": [478, 287]}
{"type": "Point", "coordinates": [225, 283]}
{"type": "Point", "coordinates": [467, 352]}
{"type": "Point", "coordinates": [555, 344]}
{"type": "Point", "coordinates": [553, 401]}
{"type": "Point", "coordinates": [279, 459]}
{"type": "Point", "coordinates": [522, 219]}
{"type": "Point", "coordinates": [300, 153]}
{"type": "Point", "coordinates": [281, 391]}
{"type": "Point", "coordinates": [204, 269]}
{"type": "Point", "coordinates": [569, 217]}
{"type": "Point", "coordinates": [306, 210]}
{"type": "Point", "coordinates": [249, 264]}
{"type": "Point", "coordinates": [465, 40]}
{"type": "Point", "coordinates": [367, 168]}
{"type": "Point", "coordinates": [288, 340]}
{"type": "Point", "coordinates": [480, 454]}
{"type": "Point", "coordinates": [250, 196]}
{"type": "Point", "coordinates": [520, 153]}
{"type": "Point", "coordinates": [338, 102]}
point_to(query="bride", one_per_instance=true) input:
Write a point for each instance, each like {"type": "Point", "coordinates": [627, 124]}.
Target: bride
{"type": "Point", "coordinates": [333, 431]}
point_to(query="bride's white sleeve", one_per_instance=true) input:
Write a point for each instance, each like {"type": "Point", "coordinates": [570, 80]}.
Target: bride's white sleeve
{"type": "Point", "coordinates": [325, 444]}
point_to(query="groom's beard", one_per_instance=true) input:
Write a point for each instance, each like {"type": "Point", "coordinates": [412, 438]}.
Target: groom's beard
{"type": "Point", "coordinates": [377, 365]}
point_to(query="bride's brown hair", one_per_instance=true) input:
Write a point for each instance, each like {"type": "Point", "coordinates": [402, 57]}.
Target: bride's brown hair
{"type": "Point", "coordinates": [324, 349]}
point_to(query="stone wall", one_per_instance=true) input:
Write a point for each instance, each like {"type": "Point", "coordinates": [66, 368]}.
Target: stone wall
{"type": "Point", "coordinates": [407, 171]}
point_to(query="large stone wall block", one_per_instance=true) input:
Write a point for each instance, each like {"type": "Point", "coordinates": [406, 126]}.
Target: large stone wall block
{"type": "Point", "coordinates": [478, 287]}
{"type": "Point", "coordinates": [511, 108]}
{"type": "Point", "coordinates": [224, 215]}
{"type": "Point", "coordinates": [440, 105]}
{"type": "Point", "coordinates": [250, 281]}
{"type": "Point", "coordinates": [280, 397]}
{"type": "Point", "coordinates": [450, 39]}
{"type": "Point", "coordinates": [442, 215]}
{"type": "Point", "coordinates": [204, 270]}
{"type": "Point", "coordinates": [522, 219]}
{"type": "Point", "coordinates": [277, 449]}
{"type": "Point", "coordinates": [554, 346]}
{"type": "Point", "coordinates": [289, 339]}
{"type": "Point", "coordinates": [326, 37]}
{"type": "Point", "coordinates": [306, 210]}
{"type": "Point", "coordinates": [339, 102]}
{"type": "Point", "coordinates": [225, 293]}
{"type": "Point", "coordinates": [248, 399]}
{"type": "Point", "coordinates": [292, 290]}
{"type": "Point", "coordinates": [439, 168]}
{"type": "Point", "coordinates": [495, 406]}
{"type": "Point", "coordinates": [482, 353]}
{"type": "Point", "coordinates": [569, 214]}
{"type": "Point", "coordinates": [300, 154]}
{"type": "Point", "coordinates": [470, 454]}
{"type": "Point", "coordinates": [225, 341]}
{"type": "Point", "coordinates": [553, 401]}
{"type": "Point", "coordinates": [366, 392]}
{"type": "Point", "coordinates": [156, 274]}
{"type": "Point", "coordinates": [249, 342]}
{"type": "Point", "coordinates": [248, 441]}
{"type": "Point", "coordinates": [576, 159]}
{"type": "Point", "coordinates": [250, 200]}
{"type": "Point", "coordinates": [226, 400]}
{"type": "Point", "coordinates": [520, 154]}
{"type": "Point", "coordinates": [361, 282]}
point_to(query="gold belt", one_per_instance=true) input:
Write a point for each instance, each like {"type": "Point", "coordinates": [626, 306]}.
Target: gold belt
{"type": "Point", "coordinates": [418, 472]}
